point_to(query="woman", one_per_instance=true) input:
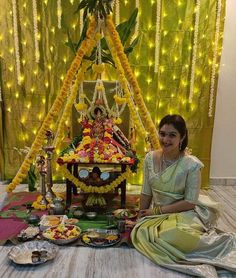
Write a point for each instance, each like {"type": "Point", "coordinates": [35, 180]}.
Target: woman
{"type": "Point", "coordinates": [176, 231]}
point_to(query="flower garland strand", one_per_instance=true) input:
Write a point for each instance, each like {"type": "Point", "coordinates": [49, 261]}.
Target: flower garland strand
{"type": "Point", "coordinates": [213, 72]}
{"type": "Point", "coordinates": [59, 13]}
{"type": "Point", "coordinates": [117, 12]}
{"type": "Point", "coordinates": [95, 189]}
{"type": "Point", "coordinates": [157, 36]}
{"type": "Point", "coordinates": [16, 42]}
{"type": "Point", "coordinates": [86, 45]}
{"type": "Point", "coordinates": [70, 102]}
{"type": "Point", "coordinates": [133, 112]}
{"type": "Point", "coordinates": [81, 21]}
{"type": "Point", "coordinates": [145, 115]}
{"type": "Point", "coordinates": [194, 54]}
{"type": "Point", "coordinates": [35, 20]}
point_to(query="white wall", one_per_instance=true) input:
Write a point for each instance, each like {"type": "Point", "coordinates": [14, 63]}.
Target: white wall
{"type": "Point", "coordinates": [223, 155]}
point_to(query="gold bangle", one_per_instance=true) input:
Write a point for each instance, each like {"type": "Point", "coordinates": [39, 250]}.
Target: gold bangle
{"type": "Point", "coordinates": [156, 210]}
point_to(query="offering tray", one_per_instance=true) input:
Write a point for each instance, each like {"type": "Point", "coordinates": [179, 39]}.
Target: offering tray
{"type": "Point", "coordinates": [33, 252]}
{"type": "Point", "coordinates": [100, 237]}
{"type": "Point", "coordinates": [125, 213]}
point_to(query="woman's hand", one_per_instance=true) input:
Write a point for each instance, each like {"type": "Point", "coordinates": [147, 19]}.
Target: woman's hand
{"type": "Point", "coordinates": [145, 212]}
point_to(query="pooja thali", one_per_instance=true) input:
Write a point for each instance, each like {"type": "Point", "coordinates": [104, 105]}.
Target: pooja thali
{"type": "Point", "coordinates": [125, 213]}
{"type": "Point", "coordinates": [33, 252]}
{"type": "Point", "coordinates": [100, 237]}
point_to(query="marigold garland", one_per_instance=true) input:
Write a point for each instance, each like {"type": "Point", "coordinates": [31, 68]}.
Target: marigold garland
{"type": "Point", "coordinates": [145, 116]}
{"type": "Point", "coordinates": [95, 189]}
{"type": "Point", "coordinates": [56, 107]}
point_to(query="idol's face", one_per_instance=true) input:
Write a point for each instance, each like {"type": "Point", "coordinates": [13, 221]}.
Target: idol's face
{"type": "Point", "coordinates": [169, 138]}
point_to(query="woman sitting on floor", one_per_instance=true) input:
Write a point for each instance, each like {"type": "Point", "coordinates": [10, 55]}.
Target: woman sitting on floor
{"type": "Point", "coordinates": [177, 232]}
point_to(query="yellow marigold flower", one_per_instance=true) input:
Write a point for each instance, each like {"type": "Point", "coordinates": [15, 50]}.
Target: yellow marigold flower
{"type": "Point", "coordinates": [118, 121]}
{"type": "Point", "coordinates": [100, 87]}
{"type": "Point", "coordinates": [81, 106]}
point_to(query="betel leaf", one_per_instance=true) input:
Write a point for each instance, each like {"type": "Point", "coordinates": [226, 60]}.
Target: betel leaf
{"type": "Point", "coordinates": [81, 5]}
{"type": "Point", "coordinates": [130, 48]}
{"type": "Point", "coordinates": [83, 34]}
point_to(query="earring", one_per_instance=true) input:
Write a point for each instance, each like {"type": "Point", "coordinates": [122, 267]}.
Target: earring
{"type": "Point", "coordinates": [180, 145]}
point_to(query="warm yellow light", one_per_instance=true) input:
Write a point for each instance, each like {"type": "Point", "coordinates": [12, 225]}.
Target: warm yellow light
{"type": "Point", "coordinates": [11, 50]}
{"type": "Point", "coordinates": [204, 80]}
{"type": "Point", "coordinates": [150, 63]}
{"type": "Point", "coordinates": [28, 105]}
{"type": "Point", "coordinates": [11, 31]}
{"type": "Point", "coordinates": [32, 89]}
{"type": "Point", "coordinates": [180, 21]}
{"type": "Point", "coordinates": [22, 78]}
{"type": "Point", "coordinates": [137, 73]}
{"type": "Point", "coordinates": [161, 87]}
{"type": "Point", "coordinates": [38, 36]}
{"type": "Point", "coordinates": [49, 66]}
{"type": "Point", "coordinates": [163, 51]}
{"type": "Point", "coordinates": [176, 39]}
{"type": "Point", "coordinates": [23, 62]}
{"type": "Point", "coordinates": [72, 2]}
{"type": "Point", "coordinates": [25, 23]}
{"type": "Point", "coordinates": [172, 95]}
{"type": "Point", "coordinates": [74, 26]}
{"type": "Point", "coordinates": [35, 71]}
{"type": "Point", "coordinates": [149, 80]}
{"type": "Point", "coordinates": [62, 77]}
{"type": "Point", "coordinates": [9, 85]}
{"type": "Point", "coordinates": [190, 47]}
{"type": "Point", "coordinates": [46, 84]}
{"type": "Point", "coordinates": [209, 62]}
{"type": "Point", "coordinates": [151, 44]}
{"type": "Point", "coordinates": [43, 100]}
{"type": "Point", "coordinates": [9, 109]}
{"type": "Point", "coordinates": [34, 131]}
{"type": "Point", "coordinates": [16, 94]}
{"type": "Point", "coordinates": [186, 66]}
{"type": "Point", "coordinates": [137, 56]}
{"type": "Point", "coordinates": [175, 58]}
{"type": "Point", "coordinates": [198, 72]}
{"type": "Point", "coordinates": [165, 33]}
{"type": "Point", "coordinates": [1, 37]}
{"type": "Point", "coordinates": [184, 83]}
{"type": "Point", "coordinates": [200, 54]}
{"type": "Point", "coordinates": [148, 98]}
{"type": "Point", "coordinates": [24, 5]}
{"type": "Point", "coordinates": [164, 14]}
{"type": "Point", "coordinates": [179, 3]}
{"type": "Point", "coordinates": [53, 30]}
{"type": "Point", "coordinates": [162, 69]}
{"type": "Point", "coordinates": [191, 28]}
{"type": "Point", "coordinates": [160, 104]}
{"type": "Point", "coordinates": [149, 26]}
{"type": "Point", "coordinates": [51, 48]}
{"type": "Point", "coordinates": [38, 17]}
{"type": "Point", "coordinates": [24, 42]}
{"type": "Point", "coordinates": [23, 120]}
{"type": "Point", "coordinates": [40, 116]}
{"type": "Point", "coordinates": [174, 76]}
{"type": "Point", "coordinates": [64, 59]}
{"type": "Point", "coordinates": [45, 2]}
{"type": "Point", "coordinates": [11, 68]}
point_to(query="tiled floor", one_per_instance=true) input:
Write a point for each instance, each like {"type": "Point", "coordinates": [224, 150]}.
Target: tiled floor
{"type": "Point", "coordinates": [114, 262]}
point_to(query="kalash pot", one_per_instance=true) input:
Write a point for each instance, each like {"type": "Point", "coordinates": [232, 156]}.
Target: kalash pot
{"type": "Point", "coordinates": [58, 206]}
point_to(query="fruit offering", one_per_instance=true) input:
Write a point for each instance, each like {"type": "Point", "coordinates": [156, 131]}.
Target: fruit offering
{"type": "Point", "coordinates": [62, 232]}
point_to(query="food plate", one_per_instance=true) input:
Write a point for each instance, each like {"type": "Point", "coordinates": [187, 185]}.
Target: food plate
{"type": "Point", "coordinates": [33, 252]}
{"type": "Point", "coordinates": [100, 237]}
{"type": "Point", "coordinates": [125, 213]}
{"type": "Point", "coordinates": [28, 233]}
{"type": "Point", "coordinates": [48, 221]}
{"type": "Point", "coordinates": [62, 234]}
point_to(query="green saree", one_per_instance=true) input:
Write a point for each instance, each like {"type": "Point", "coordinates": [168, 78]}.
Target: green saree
{"type": "Point", "coordinates": [185, 241]}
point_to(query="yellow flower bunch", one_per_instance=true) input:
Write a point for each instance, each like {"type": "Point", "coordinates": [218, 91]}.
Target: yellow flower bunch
{"type": "Point", "coordinates": [100, 88]}
{"type": "Point", "coordinates": [81, 106]}
{"type": "Point", "coordinates": [86, 46]}
{"type": "Point", "coordinates": [95, 189]}
{"type": "Point", "coordinates": [117, 121]}
{"type": "Point", "coordinates": [119, 100]}
{"type": "Point", "coordinates": [132, 80]}
{"type": "Point", "coordinates": [98, 68]}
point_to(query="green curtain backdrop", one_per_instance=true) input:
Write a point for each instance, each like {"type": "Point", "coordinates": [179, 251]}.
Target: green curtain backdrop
{"type": "Point", "coordinates": [24, 106]}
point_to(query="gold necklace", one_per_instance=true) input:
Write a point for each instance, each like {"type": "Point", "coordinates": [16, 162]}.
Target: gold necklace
{"type": "Point", "coordinates": [162, 169]}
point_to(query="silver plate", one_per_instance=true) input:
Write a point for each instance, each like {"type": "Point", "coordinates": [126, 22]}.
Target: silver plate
{"type": "Point", "coordinates": [101, 234]}
{"type": "Point", "coordinates": [22, 253]}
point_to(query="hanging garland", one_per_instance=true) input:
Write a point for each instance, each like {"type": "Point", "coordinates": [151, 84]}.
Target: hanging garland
{"type": "Point", "coordinates": [59, 12]}
{"type": "Point", "coordinates": [117, 12]}
{"type": "Point", "coordinates": [86, 46]}
{"type": "Point", "coordinates": [16, 42]}
{"type": "Point", "coordinates": [35, 20]}
{"type": "Point", "coordinates": [157, 36]}
{"type": "Point", "coordinates": [194, 54]}
{"type": "Point", "coordinates": [214, 62]}
{"type": "Point", "coordinates": [95, 189]}
{"type": "Point", "coordinates": [144, 113]}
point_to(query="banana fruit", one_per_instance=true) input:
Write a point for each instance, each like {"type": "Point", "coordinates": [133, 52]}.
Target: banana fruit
{"type": "Point", "coordinates": [96, 200]}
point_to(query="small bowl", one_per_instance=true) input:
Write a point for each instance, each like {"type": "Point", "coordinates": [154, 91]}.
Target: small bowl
{"type": "Point", "coordinates": [33, 219]}
{"type": "Point", "coordinates": [78, 213]}
{"type": "Point", "coordinates": [91, 214]}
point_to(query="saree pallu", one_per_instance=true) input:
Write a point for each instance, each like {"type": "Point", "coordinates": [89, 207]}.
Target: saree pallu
{"type": "Point", "coordinates": [185, 241]}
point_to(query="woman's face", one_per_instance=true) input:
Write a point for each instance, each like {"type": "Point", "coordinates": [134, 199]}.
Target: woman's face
{"type": "Point", "coordinates": [169, 138]}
